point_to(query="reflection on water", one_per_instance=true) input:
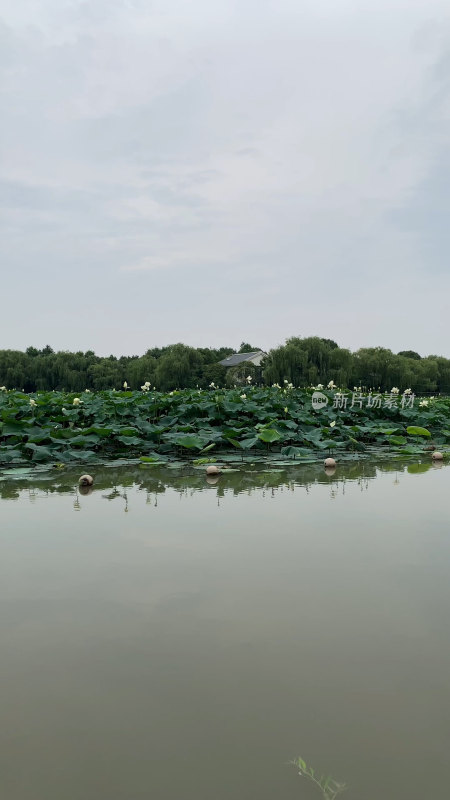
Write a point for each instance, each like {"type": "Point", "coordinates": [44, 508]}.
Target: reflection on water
{"type": "Point", "coordinates": [190, 647]}
{"type": "Point", "coordinates": [113, 482]}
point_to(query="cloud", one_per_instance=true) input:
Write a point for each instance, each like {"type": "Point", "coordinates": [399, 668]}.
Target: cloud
{"type": "Point", "coordinates": [288, 157]}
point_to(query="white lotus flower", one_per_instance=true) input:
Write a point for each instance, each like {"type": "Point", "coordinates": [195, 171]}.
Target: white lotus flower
{"type": "Point", "coordinates": [285, 409]}
{"type": "Point", "coordinates": [76, 401]}
{"type": "Point", "coordinates": [331, 385]}
{"type": "Point", "coordinates": [407, 391]}
{"type": "Point", "coordinates": [319, 386]}
{"type": "Point", "coordinates": [423, 403]}
{"type": "Point", "coordinates": [394, 390]}
{"type": "Point", "coordinates": [63, 409]}
{"type": "Point", "coordinates": [125, 385]}
{"type": "Point", "coordinates": [243, 396]}
{"type": "Point", "coordinates": [87, 390]}
{"type": "Point", "coordinates": [32, 402]}
{"type": "Point", "coordinates": [249, 378]}
{"type": "Point", "coordinates": [333, 423]}
{"type": "Point", "coordinates": [2, 388]}
{"type": "Point", "coordinates": [212, 385]}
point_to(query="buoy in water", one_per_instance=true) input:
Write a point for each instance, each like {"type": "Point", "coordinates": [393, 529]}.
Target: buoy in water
{"type": "Point", "coordinates": [437, 456]}
{"type": "Point", "coordinates": [85, 480]}
{"type": "Point", "coordinates": [212, 470]}
{"type": "Point", "coordinates": [329, 462]}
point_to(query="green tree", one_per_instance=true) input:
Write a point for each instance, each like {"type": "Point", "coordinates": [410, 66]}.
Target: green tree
{"type": "Point", "coordinates": [180, 367]}
{"type": "Point", "coordinates": [410, 354]}
{"type": "Point", "coordinates": [245, 347]}
{"type": "Point", "coordinates": [238, 375]}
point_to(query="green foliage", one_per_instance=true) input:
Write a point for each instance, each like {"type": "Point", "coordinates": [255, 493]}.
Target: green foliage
{"type": "Point", "coordinates": [329, 788]}
{"type": "Point", "coordinates": [238, 375]}
{"type": "Point", "coordinates": [301, 361]}
{"type": "Point", "coordinates": [175, 366]}
{"type": "Point", "coordinates": [414, 430]}
{"type": "Point", "coordinates": [245, 347]}
{"type": "Point", "coordinates": [213, 373]}
{"type": "Point", "coordinates": [59, 427]}
{"type": "Point", "coordinates": [269, 435]}
{"type": "Point", "coordinates": [410, 354]}
{"type": "Point", "coordinates": [314, 360]}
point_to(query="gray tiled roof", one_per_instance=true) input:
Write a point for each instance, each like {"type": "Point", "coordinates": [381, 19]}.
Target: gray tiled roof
{"type": "Point", "coordinates": [238, 358]}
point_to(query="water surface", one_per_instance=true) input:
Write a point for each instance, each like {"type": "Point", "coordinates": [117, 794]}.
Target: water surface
{"type": "Point", "coordinates": [171, 639]}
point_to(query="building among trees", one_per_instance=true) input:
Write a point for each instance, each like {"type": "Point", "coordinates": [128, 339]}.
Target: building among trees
{"type": "Point", "coordinates": [235, 359]}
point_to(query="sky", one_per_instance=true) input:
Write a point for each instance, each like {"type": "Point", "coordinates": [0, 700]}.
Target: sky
{"type": "Point", "coordinates": [219, 171]}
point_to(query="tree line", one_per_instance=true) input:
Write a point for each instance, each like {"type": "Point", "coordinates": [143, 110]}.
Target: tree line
{"type": "Point", "coordinates": [301, 361]}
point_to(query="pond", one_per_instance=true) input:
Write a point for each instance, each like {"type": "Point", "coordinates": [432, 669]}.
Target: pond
{"type": "Point", "coordinates": [167, 638]}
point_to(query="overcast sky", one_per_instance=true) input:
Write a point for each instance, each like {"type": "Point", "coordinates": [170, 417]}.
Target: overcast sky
{"type": "Point", "coordinates": [212, 171]}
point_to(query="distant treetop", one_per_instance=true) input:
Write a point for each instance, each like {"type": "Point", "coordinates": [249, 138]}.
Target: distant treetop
{"type": "Point", "coordinates": [410, 354]}
{"type": "Point", "coordinates": [245, 347]}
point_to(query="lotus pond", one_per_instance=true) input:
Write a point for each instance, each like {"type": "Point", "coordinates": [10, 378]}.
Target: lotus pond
{"type": "Point", "coordinates": [167, 635]}
{"type": "Point", "coordinates": [59, 428]}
